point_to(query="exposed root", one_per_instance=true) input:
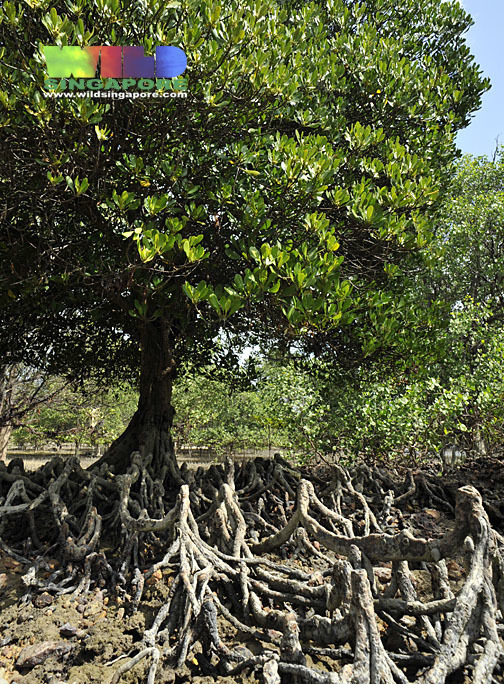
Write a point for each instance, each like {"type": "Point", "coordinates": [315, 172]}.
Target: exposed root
{"type": "Point", "coordinates": [239, 544]}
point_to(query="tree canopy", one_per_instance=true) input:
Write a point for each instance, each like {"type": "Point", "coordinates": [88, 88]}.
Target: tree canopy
{"type": "Point", "coordinates": [286, 197]}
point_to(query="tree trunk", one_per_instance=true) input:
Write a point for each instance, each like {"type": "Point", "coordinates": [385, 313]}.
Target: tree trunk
{"type": "Point", "coordinates": [478, 441]}
{"type": "Point", "coordinates": [149, 430]}
{"type": "Point", "coordinates": [5, 433]}
{"type": "Point", "coordinates": [7, 375]}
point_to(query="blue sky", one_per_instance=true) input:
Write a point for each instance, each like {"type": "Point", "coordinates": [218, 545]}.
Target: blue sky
{"type": "Point", "coordinates": [485, 41]}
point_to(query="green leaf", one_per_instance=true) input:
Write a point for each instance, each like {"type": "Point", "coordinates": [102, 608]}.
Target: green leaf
{"type": "Point", "coordinates": [214, 302]}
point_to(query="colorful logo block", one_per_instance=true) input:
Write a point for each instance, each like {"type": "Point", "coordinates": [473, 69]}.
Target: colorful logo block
{"type": "Point", "coordinates": [115, 62]}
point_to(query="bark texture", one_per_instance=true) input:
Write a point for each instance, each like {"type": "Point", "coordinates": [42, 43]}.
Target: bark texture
{"type": "Point", "coordinates": [149, 431]}
{"type": "Point", "coordinates": [5, 433]}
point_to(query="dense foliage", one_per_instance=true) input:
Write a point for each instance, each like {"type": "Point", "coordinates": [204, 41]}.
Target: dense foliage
{"type": "Point", "coordinates": [383, 408]}
{"type": "Point", "coordinates": [299, 174]}
{"type": "Point", "coordinates": [287, 198]}
{"type": "Point", "coordinates": [379, 410]}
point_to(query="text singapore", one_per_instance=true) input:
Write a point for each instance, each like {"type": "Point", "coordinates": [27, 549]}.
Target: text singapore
{"type": "Point", "coordinates": [119, 67]}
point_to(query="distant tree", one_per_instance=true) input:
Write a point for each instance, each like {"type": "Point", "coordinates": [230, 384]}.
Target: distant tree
{"type": "Point", "coordinates": [212, 413]}
{"type": "Point", "coordinates": [279, 201]}
{"type": "Point", "coordinates": [22, 390]}
{"type": "Point", "coordinates": [469, 277]}
{"type": "Point", "coordinates": [470, 234]}
{"type": "Point", "coordinates": [452, 388]}
{"type": "Point", "coordinates": [78, 415]}
{"type": "Point", "coordinates": [281, 408]}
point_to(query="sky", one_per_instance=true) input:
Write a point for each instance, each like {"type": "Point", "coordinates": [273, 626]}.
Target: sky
{"type": "Point", "coordinates": [485, 40]}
